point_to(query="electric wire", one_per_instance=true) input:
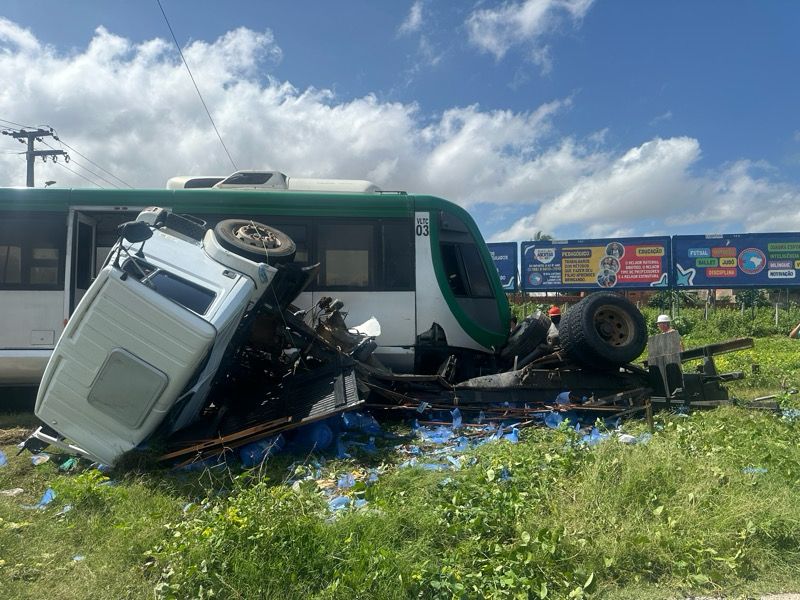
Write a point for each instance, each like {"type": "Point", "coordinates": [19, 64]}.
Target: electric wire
{"type": "Point", "coordinates": [111, 183]}
{"type": "Point", "coordinates": [63, 143]}
{"type": "Point", "coordinates": [208, 112]}
{"type": "Point", "coordinates": [17, 124]}
{"type": "Point", "coordinates": [63, 166]}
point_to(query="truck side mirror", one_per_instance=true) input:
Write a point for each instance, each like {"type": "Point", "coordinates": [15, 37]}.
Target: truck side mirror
{"type": "Point", "coordinates": [135, 231]}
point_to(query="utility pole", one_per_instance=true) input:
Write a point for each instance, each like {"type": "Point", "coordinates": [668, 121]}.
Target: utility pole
{"type": "Point", "coordinates": [30, 135]}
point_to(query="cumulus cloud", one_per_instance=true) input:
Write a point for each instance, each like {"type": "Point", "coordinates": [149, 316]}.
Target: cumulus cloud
{"type": "Point", "coordinates": [652, 188]}
{"type": "Point", "coordinates": [131, 108]}
{"type": "Point", "coordinates": [496, 30]}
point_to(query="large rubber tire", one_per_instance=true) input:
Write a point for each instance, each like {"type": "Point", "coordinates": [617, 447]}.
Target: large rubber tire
{"type": "Point", "coordinates": [603, 331]}
{"type": "Point", "coordinates": [530, 333]}
{"type": "Point", "coordinates": [255, 241]}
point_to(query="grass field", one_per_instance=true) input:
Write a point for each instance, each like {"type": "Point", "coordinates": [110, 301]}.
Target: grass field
{"type": "Point", "coordinates": [707, 505]}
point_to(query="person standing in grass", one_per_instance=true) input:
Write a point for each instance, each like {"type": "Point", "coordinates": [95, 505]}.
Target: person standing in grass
{"type": "Point", "coordinates": [664, 324]}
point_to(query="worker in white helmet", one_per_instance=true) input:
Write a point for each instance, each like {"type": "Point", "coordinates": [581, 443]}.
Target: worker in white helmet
{"type": "Point", "coordinates": [664, 324]}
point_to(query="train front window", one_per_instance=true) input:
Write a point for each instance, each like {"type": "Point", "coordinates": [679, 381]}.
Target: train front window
{"type": "Point", "coordinates": [464, 270]}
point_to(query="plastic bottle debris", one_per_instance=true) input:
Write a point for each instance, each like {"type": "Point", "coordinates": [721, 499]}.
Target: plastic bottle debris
{"type": "Point", "coordinates": [64, 510]}
{"type": "Point", "coordinates": [339, 502]}
{"type": "Point", "coordinates": [563, 398]}
{"type": "Point", "coordinates": [512, 437]}
{"type": "Point", "coordinates": [254, 453]}
{"type": "Point", "coordinates": [627, 438]}
{"type": "Point", "coordinates": [346, 481]}
{"type": "Point", "coordinates": [790, 414]}
{"type": "Point", "coordinates": [39, 459]}
{"type": "Point", "coordinates": [594, 438]}
{"type": "Point", "coordinates": [356, 421]}
{"type": "Point", "coordinates": [553, 420]}
{"type": "Point", "coordinates": [423, 406]}
{"type": "Point", "coordinates": [457, 420]}
{"type": "Point", "coordinates": [316, 436]}
{"type": "Point", "coordinates": [481, 417]}
{"type": "Point", "coordinates": [3, 459]}
{"type": "Point", "coordinates": [439, 435]}
{"type": "Point", "coordinates": [48, 496]}
{"type": "Point", "coordinates": [78, 557]}
{"type": "Point", "coordinates": [754, 470]}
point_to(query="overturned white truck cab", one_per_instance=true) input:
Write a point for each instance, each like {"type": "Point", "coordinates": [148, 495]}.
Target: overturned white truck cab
{"type": "Point", "coordinates": [146, 341]}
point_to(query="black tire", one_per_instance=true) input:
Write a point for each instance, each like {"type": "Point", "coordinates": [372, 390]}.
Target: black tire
{"type": "Point", "coordinates": [603, 331]}
{"type": "Point", "coordinates": [255, 241]}
{"type": "Point", "coordinates": [528, 335]}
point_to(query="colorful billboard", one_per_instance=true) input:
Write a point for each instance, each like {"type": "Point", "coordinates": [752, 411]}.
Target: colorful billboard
{"type": "Point", "coordinates": [504, 255]}
{"type": "Point", "coordinates": [618, 263]}
{"type": "Point", "coordinates": [737, 260]}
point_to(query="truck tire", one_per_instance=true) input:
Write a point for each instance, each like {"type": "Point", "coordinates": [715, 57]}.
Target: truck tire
{"type": "Point", "coordinates": [603, 331]}
{"type": "Point", "coordinates": [255, 241]}
{"type": "Point", "coordinates": [530, 333]}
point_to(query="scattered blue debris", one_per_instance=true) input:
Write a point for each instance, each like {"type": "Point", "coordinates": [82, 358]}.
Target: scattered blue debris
{"type": "Point", "coordinates": [553, 420]}
{"type": "Point", "coordinates": [563, 398]}
{"type": "Point", "coordinates": [48, 496]}
{"type": "Point", "coordinates": [754, 470]}
{"type": "Point", "coordinates": [356, 421]}
{"type": "Point", "coordinates": [339, 502]}
{"type": "Point", "coordinates": [346, 481]}
{"type": "Point", "coordinates": [3, 459]}
{"type": "Point", "coordinates": [315, 436]}
{"type": "Point", "coordinates": [512, 437]}
{"type": "Point", "coordinates": [457, 420]}
{"type": "Point", "coordinates": [64, 510]}
{"type": "Point", "coordinates": [78, 557]}
{"type": "Point", "coordinates": [594, 438]}
{"type": "Point", "coordinates": [790, 414]}
{"type": "Point", "coordinates": [254, 453]}
{"type": "Point", "coordinates": [39, 459]}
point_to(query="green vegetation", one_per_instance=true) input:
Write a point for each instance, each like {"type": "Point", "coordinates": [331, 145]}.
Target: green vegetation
{"type": "Point", "coordinates": [707, 505]}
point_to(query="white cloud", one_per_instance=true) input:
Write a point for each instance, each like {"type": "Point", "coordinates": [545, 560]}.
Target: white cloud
{"type": "Point", "coordinates": [413, 22]}
{"type": "Point", "coordinates": [131, 108]}
{"type": "Point", "coordinates": [496, 30]}
{"type": "Point", "coordinates": [653, 187]}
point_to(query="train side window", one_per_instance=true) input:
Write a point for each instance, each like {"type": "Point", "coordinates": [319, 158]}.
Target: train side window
{"type": "Point", "coordinates": [32, 249]}
{"type": "Point", "coordinates": [346, 251]}
{"type": "Point", "coordinates": [398, 255]}
{"type": "Point", "coordinates": [10, 264]}
{"type": "Point", "coordinates": [44, 266]}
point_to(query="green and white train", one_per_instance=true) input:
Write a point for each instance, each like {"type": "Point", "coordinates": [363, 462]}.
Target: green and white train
{"type": "Point", "coordinates": [415, 262]}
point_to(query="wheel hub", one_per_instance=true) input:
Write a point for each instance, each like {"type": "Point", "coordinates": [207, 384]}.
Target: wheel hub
{"type": "Point", "coordinates": [256, 236]}
{"type": "Point", "coordinates": [613, 325]}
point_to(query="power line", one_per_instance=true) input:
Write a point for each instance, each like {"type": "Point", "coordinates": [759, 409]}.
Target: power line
{"type": "Point", "coordinates": [111, 183]}
{"type": "Point", "coordinates": [178, 46]}
{"type": "Point", "coordinates": [18, 124]}
{"type": "Point", "coordinates": [79, 175]}
{"type": "Point", "coordinates": [63, 143]}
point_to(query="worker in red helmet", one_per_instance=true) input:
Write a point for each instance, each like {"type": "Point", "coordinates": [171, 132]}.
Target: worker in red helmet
{"type": "Point", "coordinates": [555, 318]}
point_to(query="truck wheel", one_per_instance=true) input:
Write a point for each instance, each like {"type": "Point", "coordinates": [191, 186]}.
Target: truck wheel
{"type": "Point", "coordinates": [530, 333]}
{"type": "Point", "coordinates": [603, 331]}
{"type": "Point", "coordinates": [255, 241]}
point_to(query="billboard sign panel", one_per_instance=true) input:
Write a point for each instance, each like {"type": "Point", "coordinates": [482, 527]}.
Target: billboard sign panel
{"type": "Point", "coordinates": [737, 260]}
{"type": "Point", "coordinates": [504, 255]}
{"type": "Point", "coordinates": [613, 263]}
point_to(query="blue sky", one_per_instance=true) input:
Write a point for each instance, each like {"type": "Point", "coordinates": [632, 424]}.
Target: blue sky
{"type": "Point", "coordinates": [579, 118]}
